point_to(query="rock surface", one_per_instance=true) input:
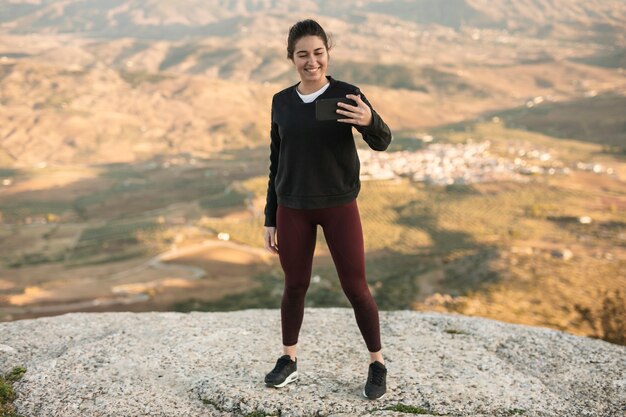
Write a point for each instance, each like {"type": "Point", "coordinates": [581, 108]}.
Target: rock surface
{"type": "Point", "coordinates": [213, 364]}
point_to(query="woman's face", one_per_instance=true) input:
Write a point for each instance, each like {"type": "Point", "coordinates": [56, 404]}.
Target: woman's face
{"type": "Point", "coordinates": [311, 59]}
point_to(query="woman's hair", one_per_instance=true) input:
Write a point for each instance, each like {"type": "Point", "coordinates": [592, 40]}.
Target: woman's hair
{"type": "Point", "coordinates": [308, 27]}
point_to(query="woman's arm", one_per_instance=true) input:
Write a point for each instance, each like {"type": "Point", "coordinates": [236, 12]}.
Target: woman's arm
{"type": "Point", "coordinates": [271, 200]}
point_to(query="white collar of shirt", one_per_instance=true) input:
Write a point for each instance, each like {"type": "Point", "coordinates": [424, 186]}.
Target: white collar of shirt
{"type": "Point", "coordinates": [307, 98]}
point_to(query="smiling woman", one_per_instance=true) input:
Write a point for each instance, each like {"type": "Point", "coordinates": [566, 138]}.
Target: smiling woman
{"type": "Point", "coordinates": [307, 48]}
{"type": "Point", "coordinates": [314, 180]}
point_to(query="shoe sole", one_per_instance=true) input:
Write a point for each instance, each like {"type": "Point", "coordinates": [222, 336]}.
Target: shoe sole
{"type": "Point", "coordinates": [365, 395]}
{"type": "Point", "coordinates": [290, 378]}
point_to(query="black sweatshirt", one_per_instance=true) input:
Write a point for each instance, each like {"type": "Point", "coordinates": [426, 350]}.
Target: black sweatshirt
{"type": "Point", "coordinates": [314, 164]}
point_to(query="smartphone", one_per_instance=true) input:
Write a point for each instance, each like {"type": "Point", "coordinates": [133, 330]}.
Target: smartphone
{"type": "Point", "coordinates": [326, 108]}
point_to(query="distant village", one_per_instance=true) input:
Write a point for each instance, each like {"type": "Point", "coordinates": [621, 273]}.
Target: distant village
{"type": "Point", "coordinates": [448, 164]}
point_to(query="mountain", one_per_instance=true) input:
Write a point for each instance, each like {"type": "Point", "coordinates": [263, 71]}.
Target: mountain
{"type": "Point", "coordinates": [167, 20]}
{"type": "Point", "coordinates": [92, 81]}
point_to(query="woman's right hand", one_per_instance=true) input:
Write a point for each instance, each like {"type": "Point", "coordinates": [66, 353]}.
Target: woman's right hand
{"type": "Point", "coordinates": [270, 239]}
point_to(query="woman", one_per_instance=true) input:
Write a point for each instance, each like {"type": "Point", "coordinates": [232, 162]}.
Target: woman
{"type": "Point", "coordinates": [314, 179]}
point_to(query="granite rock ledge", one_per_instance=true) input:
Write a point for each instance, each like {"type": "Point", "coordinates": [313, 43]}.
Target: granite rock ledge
{"type": "Point", "coordinates": [167, 364]}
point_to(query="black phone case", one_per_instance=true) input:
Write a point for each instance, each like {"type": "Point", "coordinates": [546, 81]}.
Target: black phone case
{"type": "Point", "coordinates": [326, 108]}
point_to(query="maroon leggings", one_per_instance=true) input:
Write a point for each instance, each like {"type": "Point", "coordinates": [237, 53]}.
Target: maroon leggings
{"type": "Point", "coordinates": [296, 235]}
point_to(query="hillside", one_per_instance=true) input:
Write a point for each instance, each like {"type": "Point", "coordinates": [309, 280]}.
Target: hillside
{"type": "Point", "coordinates": [160, 19]}
{"type": "Point", "coordinates": [92, 82]}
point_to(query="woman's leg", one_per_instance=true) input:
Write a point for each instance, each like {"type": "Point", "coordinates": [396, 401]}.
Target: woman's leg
{"type": "Point", "coordinates": [344, 235]}
{"type": "Point", "coordinates": [296, 235]}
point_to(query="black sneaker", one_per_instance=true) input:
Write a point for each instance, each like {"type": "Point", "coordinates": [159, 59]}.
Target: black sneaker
{"type": "Point", "coordinates": [284, 372]}
{"type": "Point", "coordinates": [376, 385]}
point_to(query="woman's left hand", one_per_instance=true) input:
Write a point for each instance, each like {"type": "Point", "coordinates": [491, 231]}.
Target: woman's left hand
{"type": "Point", "coordinates": [361, 114]}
